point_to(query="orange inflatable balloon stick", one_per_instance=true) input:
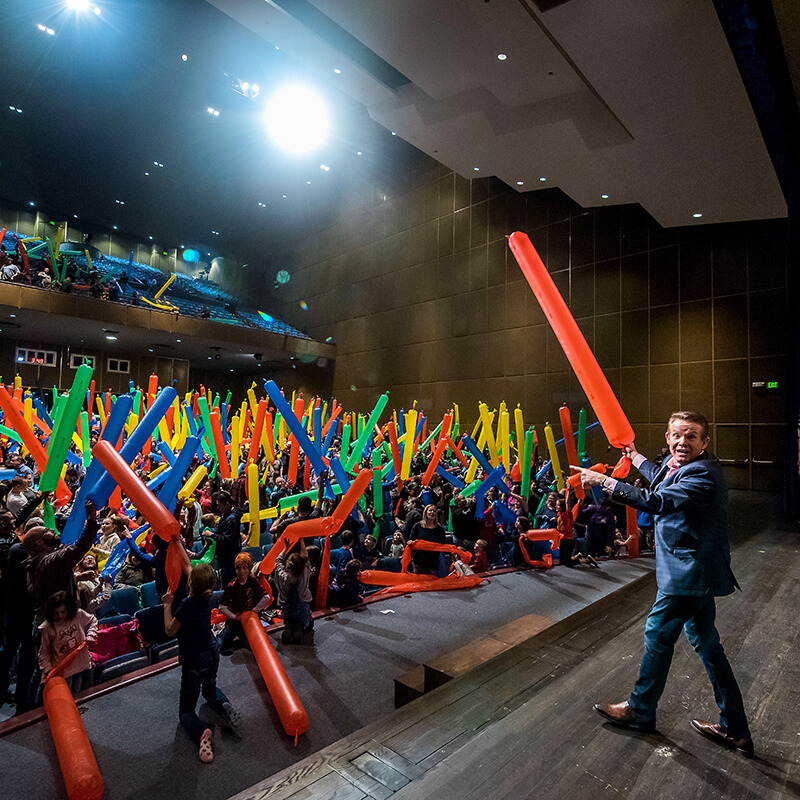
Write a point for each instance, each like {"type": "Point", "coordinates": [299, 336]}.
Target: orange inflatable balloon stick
{"type": "Point", "coordinates": [436, 585]}
{"type": "Point", "coordinates": [569, 446]}
{"type": "Point", "coordinates": [325, 526]}
{"type": "Point", "coordinates": [82, 778]}
{"type": "Point", "coordinates": [575, 480]}
{"type": "Point", "coordinates": [605, 404]}
{"type": "Point", "coordinates": [150, 507]}
{"type": "Point", "coordinates": [377, 577]}
{"type": "Point", "coordinates": [290, 710]}
{"type": "Point", "coordinates": [14, 419]}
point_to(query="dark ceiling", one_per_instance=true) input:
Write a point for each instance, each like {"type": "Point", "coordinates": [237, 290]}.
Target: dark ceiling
{"type": "Point", "coordinates": [105, 96]}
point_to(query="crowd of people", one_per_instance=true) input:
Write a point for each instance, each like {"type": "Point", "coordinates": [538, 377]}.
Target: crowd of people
{"type": "Point", "coordinates": [54, 594]}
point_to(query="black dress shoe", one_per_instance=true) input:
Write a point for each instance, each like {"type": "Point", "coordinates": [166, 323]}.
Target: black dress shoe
{"type": "Point", "coordinates": [712, 731]}
{"type": "Point", "coordinates": [622, 715]}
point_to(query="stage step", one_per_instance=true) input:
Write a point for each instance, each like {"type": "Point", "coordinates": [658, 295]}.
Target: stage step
{"type": "Point", "coordinates": [409, 686]}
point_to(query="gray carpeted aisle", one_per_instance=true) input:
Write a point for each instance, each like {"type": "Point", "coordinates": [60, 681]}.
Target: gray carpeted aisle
{"type": "Point", "coordinates": [345, 680]}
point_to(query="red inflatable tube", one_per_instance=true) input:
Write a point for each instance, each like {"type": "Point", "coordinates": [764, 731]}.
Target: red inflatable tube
{"type": "Point", "coordinates": [632, 526]}
{"type": "Point", "coordinates": [82, 778]}
{"type": "Point", "coordinates": [321, 600]}
{"type": "Point", "coordinates": [377, 577]}
{"type": "Point", "coordinates": [546, 562]}
{"type": "Point", "coordinates": [439, 451]}
{"type": "Point", "coordinates": [150, 507]}
{"type": "Point", "coordinates": [219, 444]}
{"type": "Point", "coordinates": [569, 446]}
{"type": "Point", "coordinates": [605, 404]}
{"type": "Point", "coordinates": [294, 452]}
{"type": "Point", "coordinates": [318, 527]}
{"type": "Point", "coordinates": [436, 585]}
{"type": "Point", "coordinates": [544, 535]}
{"type": "Point", "coordinates": [575, 480]}
{"type": "Point", "coordinates": [395, 447]}
{"type": "Point", "coordinates": [255, 439]}
{"type": "Point", "coordinates": [15, 420]}
{"type": "Point", "coordinates": [290, 710]}
{"type": "Point", "coordinates": [421, 544]}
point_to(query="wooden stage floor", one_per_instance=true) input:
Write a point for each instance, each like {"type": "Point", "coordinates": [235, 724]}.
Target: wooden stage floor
{"type": "Point", "coordinates": [521, 724]}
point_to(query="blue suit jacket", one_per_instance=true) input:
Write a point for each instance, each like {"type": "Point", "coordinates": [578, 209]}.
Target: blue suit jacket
{"type": "Point", "coordinates": [691, 530]}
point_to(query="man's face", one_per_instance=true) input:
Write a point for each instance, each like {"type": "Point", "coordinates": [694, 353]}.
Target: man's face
{"type": "Point", "coordinates": [685, 441]}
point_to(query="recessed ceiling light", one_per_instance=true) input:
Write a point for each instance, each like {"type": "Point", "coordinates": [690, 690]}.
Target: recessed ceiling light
{"type": "Point", "coordinates": [115, 227]}
{"type": "Point", "coordinates": [501, 56]}
{"type": "Point", "coordinates": [13, 316]}
{"type": "Point", "coordinates": [324, 167]}
{"type": "Point", "coordinates": [542, 179]}
{"type": "Point", "coordinates": [308, 183]}
{"type": "Point", "coordinates": [520, 183]}
{"type": "Point", "coordinates": [184, 57]}
{"type": "Point", "coordinates": [178, 341]}
{"type": "Point", "coordinates": [697, 216]}
{"type": "Point", "coordinates": [150, 238]}
{"type": "Point", "coordinates": [147, 173]}
{"type": "Point", "coordinates": [31, 203]}
{"type": "Point", "coordinates": [394, 133]}
{"type": "Point", "coordinates": [477, 169]}
{"type": "Point", "coordinates": [604, 196]}
{"type": "Point", "coordinates": [338, 71]}
{"type": "Point", "coordinates": [358, 153]}
{"type": "Point", "coordinates": [283, 196]}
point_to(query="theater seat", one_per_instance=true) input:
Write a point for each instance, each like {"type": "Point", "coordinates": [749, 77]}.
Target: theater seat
{"type": "Point", "coordinates": [119, 666]}
{"type": "Point", "coordinates": [149, 594]}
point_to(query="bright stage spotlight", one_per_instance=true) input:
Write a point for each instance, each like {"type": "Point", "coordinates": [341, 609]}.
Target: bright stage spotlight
{"type": "Point", "coordinates": [297, 119]}
{"type": "Point", "coordinates": [79, 5]}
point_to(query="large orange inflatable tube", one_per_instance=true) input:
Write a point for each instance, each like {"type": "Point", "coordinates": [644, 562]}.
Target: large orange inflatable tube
{"type": "Point", "coordinates": [377, 577]}
{"type": "Point", "coordinates": [82, 778]}
{"type": "Point", "coordinates": [436, 585]}
{"type": "Point", "coordinates": [543, 535]}
{"type": "Point", "coordinates": [546, 562]}
{"type": "Point", "coordinates": [290, 710]}
{"type": "Point", "coordinates": [151, 508]}
{"type": "Point", "coordinates": [605, 404]}
{"type": "Point", "coordinates": [421, 544]}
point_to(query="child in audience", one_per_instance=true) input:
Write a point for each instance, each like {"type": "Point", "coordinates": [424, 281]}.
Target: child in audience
{"type": "Point", "coordinates": [244, 593]}
{"type": "Point", "coordinates": [398, 545]}
{"type": "Point", "coordinates": [198, 655]}
{"type": "Point", "coordinates": [64, 628]}
{"type": "Point", "coordinates": [345, 589]}
{"type": "Point", "coordinates": [481, 562]}
{"type": "Point", "coordinates": [292, 576]}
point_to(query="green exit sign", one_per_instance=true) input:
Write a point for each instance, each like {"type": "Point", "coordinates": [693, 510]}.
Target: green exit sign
{"type": "Point", "coordinates": [773, 385]}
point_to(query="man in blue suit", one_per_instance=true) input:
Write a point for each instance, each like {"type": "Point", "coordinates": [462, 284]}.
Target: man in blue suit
{"type": "Point", "coordinates": [688, 498]}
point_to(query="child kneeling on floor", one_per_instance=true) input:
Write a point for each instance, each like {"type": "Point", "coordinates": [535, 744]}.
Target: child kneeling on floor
{"type": "Point", "coordinates": [198, 655]}
{"type": "Point", "coordinates": [292, 577]}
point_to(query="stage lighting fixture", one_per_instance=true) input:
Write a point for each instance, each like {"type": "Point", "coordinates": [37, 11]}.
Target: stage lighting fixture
{"type": "Point", "coordinates": [78, 5]}
{"type": "Point", "coordinates": [297, 119]}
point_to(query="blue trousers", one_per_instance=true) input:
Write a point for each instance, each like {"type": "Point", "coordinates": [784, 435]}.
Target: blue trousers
{"type": "Point", "coordinates": [199, 673]}
{"type": "Point", "coordinates": [696, 616]}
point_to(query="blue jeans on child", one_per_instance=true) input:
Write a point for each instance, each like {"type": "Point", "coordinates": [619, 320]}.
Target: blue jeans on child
{"type": "Point", "coordinates": [696, 616]}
